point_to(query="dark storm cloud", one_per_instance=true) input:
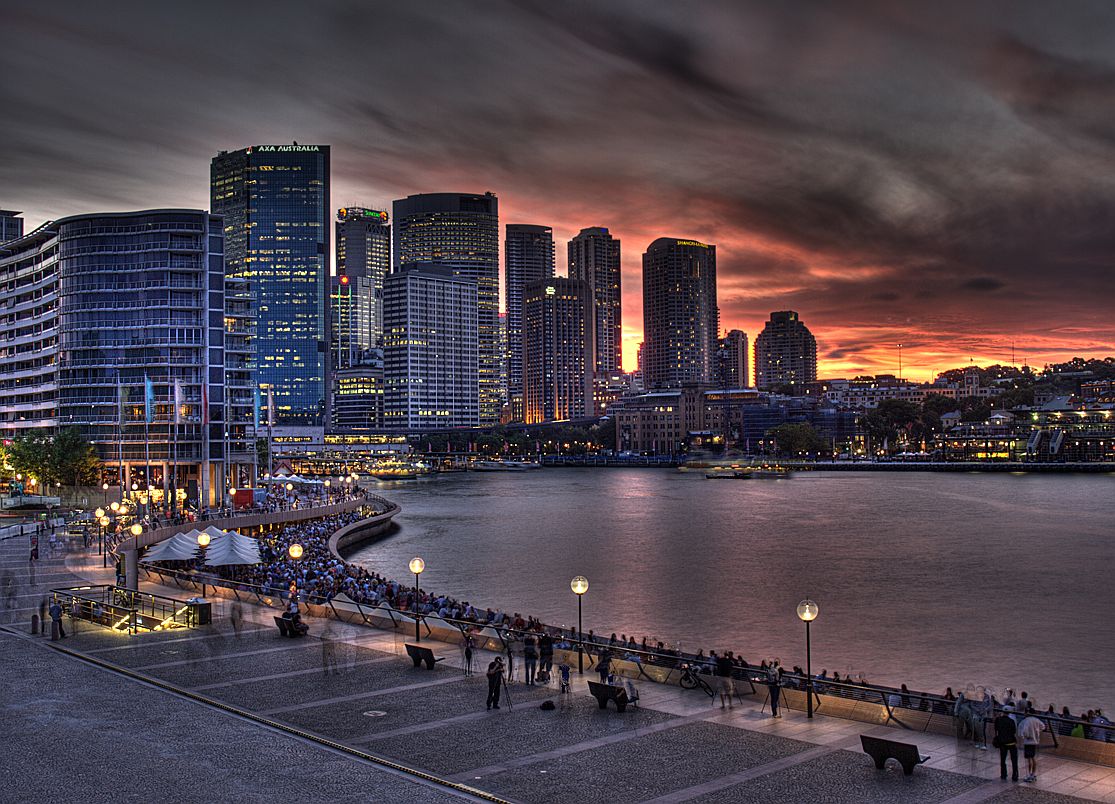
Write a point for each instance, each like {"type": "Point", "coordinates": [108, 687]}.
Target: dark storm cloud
{"type": "Point", "coordinates": [896, 173]}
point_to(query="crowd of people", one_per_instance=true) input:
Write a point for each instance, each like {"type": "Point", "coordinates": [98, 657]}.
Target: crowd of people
{"type": "Point", "coordinates": [318, 576]}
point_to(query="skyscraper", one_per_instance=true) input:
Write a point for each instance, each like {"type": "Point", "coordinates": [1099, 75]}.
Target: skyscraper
{"type": "Point", "coordinates": [557, 350]}
{"type": "Point", "coordinates": [528, 256]}
{"type": "Point", "coordinates": [121, 337]}
{"type": "Point", "coordinates": [430, 355]}
{"type": "Point", "coordinates": [785, 352]}
{"type": "Point", "coordinates": [460, 232]}
{"type": "Point", "coordinates": [680, 317]}
{"type": "Point", "coordinates": [275, 202]}
{"type": "Point", "coordinates": [356, 293]}
{"type": "Point", "coordinates": [11, 225]}
{"type": "Point", "coordinates": [732, 360]}
{"type": "Point", "coordinates": [594, 257]}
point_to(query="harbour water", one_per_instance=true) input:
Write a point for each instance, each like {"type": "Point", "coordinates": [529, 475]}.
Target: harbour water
{"type": "Point", "coordinates": [928, 579]}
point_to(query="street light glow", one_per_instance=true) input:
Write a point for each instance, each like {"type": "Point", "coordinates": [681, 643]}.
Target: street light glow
{"type": "Point", "coordinates": [579, 585]}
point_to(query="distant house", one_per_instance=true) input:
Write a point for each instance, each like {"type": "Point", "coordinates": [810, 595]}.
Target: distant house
{"type": "Point", "coordinates": [950, 419]}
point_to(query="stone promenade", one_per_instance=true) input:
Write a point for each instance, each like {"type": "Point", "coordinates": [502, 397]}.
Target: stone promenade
{"type": "Point", "coordinates": [211, 715]}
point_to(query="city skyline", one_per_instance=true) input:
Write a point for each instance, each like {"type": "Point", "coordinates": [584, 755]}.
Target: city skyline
{"type": "Point", "coordinates": [894, 178]}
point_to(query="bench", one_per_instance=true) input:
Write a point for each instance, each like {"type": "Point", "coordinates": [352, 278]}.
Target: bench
{"type": "Point", "coordinates": [606, 692]}
{"type": "Point", "coordinates": [881, 750]}
{"type": "Point", "coordinates": [285, 628]}
{"type": "Point", "coordinates": [421, 654]}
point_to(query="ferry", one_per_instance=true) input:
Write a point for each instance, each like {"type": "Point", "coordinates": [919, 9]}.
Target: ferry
{"type": "Point", "coordinates": [751, 473]}
{"type": "Point", "coordinates": [504, 466]}
{"type": "Point", "coordinates": [398, 471]}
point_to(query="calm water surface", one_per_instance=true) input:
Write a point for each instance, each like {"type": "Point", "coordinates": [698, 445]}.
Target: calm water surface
{"type": "Point", "coordinates": [929, 579]}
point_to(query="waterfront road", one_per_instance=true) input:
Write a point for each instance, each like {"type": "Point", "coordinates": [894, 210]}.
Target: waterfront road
{"type": "Point", "coordinates": [207, 715]}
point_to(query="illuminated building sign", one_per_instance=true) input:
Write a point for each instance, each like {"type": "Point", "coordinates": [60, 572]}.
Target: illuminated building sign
{"type": "Point", "coordinates": [551, 290]}
{"type": "Point", "coordinates": [691, 243]}
{"type": "Point", "coordinates": [283, 148]}
{"type": "Point", "coordinates": [379, 215]}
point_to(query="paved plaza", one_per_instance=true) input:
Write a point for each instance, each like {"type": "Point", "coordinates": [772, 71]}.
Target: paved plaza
{"type": "Point", "coordinates": [208, 714]}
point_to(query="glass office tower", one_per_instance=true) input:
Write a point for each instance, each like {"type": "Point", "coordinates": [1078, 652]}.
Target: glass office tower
{"type": "Point", "coordinates": [275, 202]}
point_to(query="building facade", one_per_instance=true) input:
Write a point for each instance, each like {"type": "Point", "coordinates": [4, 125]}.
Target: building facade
{"type": "Point", "coordinates": [431, 363]}
{"type": "Point", "coordinates": [11, 225]}
{"type": "Point", "coordinates": [594, 257]}
{"type": "Point", "coordinates": [358, 396]}
{"type": "Point", "coordinates": [557, 350]}
{"type": "Point", "coordinates": [460, 232]}
{"type": "Point", "coordinates": [356, 292]}
{"type": "Point", "coordinates": [733, 364]}
{"type": "Point", "coordinates": [681, 320]}
{"type": "Point", "coordinates": [785, 352]}
{"type": "Point", "coordinates": [275, 204]}
{"type": "Point", "coordinates": [528, 256]}
{"type": "Point", "coordinates": [113, 323]}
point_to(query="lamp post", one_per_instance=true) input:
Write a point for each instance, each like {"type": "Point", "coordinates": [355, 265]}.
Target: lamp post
{"type": "Point", "coordinates": [416, 566]}
{"type": "Point", "coordinates": [807, 613]}
{"type": "Point", "coordinates": [104, 488]}
{"type": "Point", "coordinates": [203, 540]}
{"type": "Point", "coordinates": [103, 522]}
{"type": "Point", "coordinates": [579, 585]}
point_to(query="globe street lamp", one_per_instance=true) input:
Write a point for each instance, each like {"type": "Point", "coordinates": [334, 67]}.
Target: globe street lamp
{"type": "Point", "coordinates": [103, 522]}
{"type": "Point", "coordinates": [104, 488]}
{"type": "Point", "coordinates": [807, 613]}
{"type": "Point", "coordinates": [579, 585]}
{"type": "Point", "coordinates": [295, 551]}
{"type": "Point", "coordinates": [416, 566]}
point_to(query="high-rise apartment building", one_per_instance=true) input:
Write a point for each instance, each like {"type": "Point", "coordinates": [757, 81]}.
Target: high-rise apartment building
{"type": "Point", "coordinates": [430, 356]}
{"type": "Point", "coordinates": [112, 323]}
{"type": "Point", "coordinates": [733, 361]}
{"type": "Point", "coordinates": [275, 204]}
{"type": "Point", "coordinates": [11, 225]}
{"type": "Point", "coordinates": [785, 352]}
{"type": "Point", "coordinates": [356, 292]}
{"type": "Point", "coordinates": [460, 232]}
{"type": "Point", "coordinates": [557, 350]}
{"type": "Point", "coordinates": [594, 257]}
{"type": "Point", "coordinates": [680, 318]}
{"type": "Point", "coordinates": [528, 256]}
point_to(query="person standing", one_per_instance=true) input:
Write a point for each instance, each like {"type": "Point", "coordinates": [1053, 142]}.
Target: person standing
{"type": "Point", "coordinates": [724, 667]}
{"type": "Point", "coordinates": [604, 666]}
{"type": "Point", "coordinates": [56, 618]}
{"type": "Point", "coordinates": [468, 654]}
{"type": "Point", "coordinates": [1006, 740]}
{"type": "Point", "coordinates": [546, 654]}
{"type": "Point", "coordinates": [495, 678]}
{"type": "Point", "coordinates": [1030, 730]}
{"type": "Point", "coordinates": [530, 658]}
{"type": "Point", "coordinates": [775, 689]}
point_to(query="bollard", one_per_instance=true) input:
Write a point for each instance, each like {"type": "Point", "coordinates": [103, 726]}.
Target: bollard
{"type": "Point", "coordinates": [34, 624]}
{"type": "Point", "coordinates": [55, 630]}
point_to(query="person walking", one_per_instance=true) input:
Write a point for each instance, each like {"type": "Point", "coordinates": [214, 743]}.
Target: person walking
{"type": "Point", "coordinates": [56, 618]}
{"type": "Point", "coordinates": [604, 666]}
{"type": "Point", "coordinates": [546, 654]}
{"type": "Point", "coordinates": [1030, 730]}
{"type": "Point", "coordinates": [724, 668]}
{"type": "Point", "coordinates": [236, 615]}
{"type": "Point", "coordinates": [495, 678]}
{"type": "Point", "coordinates": [1006, 740]}
{"type": "Point", "coordinates": [530, 658]}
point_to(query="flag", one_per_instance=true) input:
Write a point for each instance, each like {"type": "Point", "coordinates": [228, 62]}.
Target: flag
{"type": "Point", "coordinates": [255, 407]}
{"type": "Point", "coordinates": [121, 400]}
{"type": "Point", "coordinates": [205, 403]}
{"type": "Point", "coordinates": [270, 406]}
{"type": "Point", "coordinates": [178, 401]}
{"type": "Point", "coordinates": [148, 399]}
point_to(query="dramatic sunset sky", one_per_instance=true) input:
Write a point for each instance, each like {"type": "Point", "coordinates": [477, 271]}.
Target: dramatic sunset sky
{"type": "Point", "coordinates": [940, 175]}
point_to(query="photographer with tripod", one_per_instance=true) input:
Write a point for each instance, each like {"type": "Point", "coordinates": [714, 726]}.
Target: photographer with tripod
{"type": "Point", "coordinates": [495, 681]}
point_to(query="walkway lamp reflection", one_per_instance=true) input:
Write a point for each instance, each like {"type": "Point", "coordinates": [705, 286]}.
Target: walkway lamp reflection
{"type": "Point", "coordinates": [807, 613]}
{"type": "Point", "coordinates": [579, 585]}
{"type": "Point", "coordinates": [416, 566]}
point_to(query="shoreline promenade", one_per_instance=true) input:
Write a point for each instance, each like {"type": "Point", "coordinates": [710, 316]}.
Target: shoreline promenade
{"type": "Point", "coordinates": [674, 747]}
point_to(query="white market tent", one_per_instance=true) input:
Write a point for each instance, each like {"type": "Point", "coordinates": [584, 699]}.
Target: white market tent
{"type": "Point", "coordinates": [225, 547]}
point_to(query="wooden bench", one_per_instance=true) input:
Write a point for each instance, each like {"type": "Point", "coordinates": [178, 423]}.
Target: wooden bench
{"type": "Point", "coordinates": [421, 654]}
{"type": "Point", "coordinates": [881, 750]}
{"type": "Point", "coordinates": [285, 628]}
{"type": "Point", "coordinates": [606, 692]}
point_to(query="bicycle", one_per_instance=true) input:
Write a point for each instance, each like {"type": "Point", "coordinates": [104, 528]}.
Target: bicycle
{"type": "Point", "coordinates": [691, 680]}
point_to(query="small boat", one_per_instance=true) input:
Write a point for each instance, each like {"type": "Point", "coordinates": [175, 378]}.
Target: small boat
{"type": "Point", "coordinates": [752, 473]}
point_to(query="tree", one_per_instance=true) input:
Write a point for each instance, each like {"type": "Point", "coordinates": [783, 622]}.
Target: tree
{"type": "Point", "coordinates": [796, 439]}
{"type": "Point", "coordinates": [62, 458]}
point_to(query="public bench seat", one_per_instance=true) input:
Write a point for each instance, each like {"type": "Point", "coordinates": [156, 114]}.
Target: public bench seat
{"type": "Point", "coordinates": [881, 750]}
{"type": "Point", "coordinates": [420, 654]}
{"type": "Point", "coordinates": [608, 692]}
{"type": "Point", "coordinates": [285, 628]}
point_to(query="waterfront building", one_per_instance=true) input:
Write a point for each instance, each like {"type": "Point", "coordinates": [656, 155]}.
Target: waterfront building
{"type": "Point", "coordinates": [356, 293]}
{"type": "Point", "coordinates": [358, 396]}
{"type": "Point", "coordinates": [112, 323]}
{"type": "Point", "coordinates": [1059, 432]}
{"type": "Point", "coordinates": [557, 350]}
{"type": "Point", "coordinates": [431, 361]}
{"type": "Point", "coordinates": [11, 225]}
{"type": "Point", "coordinates": [461, 232]}
{"type": "Point", "coordinates": [275, 204]}
{"type": "Point", "coordinates": [528, 256]}
{"type": "Point", "coordinates": [785, 352]}
{"type": "Point", "coordinates": [594, 257]}
{"type": "Point", "coordinates": [732, 361]}
{"type": "Point", "coordinates": [680, 317]}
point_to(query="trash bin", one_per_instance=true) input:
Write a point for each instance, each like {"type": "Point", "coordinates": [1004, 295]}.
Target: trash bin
{"type": "Point", "coordinates": [201, 613]}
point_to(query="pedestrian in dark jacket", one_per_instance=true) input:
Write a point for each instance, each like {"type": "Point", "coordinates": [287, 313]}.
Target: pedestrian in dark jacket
{"type": "Point", "coordinates": [1006, 740]}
